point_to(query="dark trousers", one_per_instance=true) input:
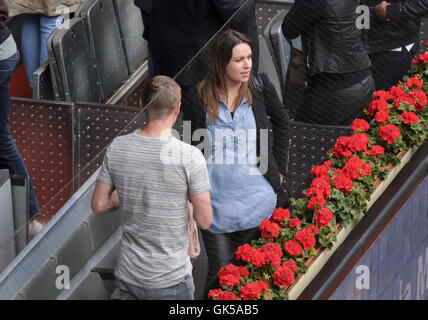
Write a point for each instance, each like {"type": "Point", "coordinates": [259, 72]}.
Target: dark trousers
{"type": "Point", "coordinates": [326, 105]}
{"type": "Point", "coordinates": [221, 250]}
{"type": "Point", "coordinates": [10, 157]}
{"type": "Point", "coordinates": [389, 67]}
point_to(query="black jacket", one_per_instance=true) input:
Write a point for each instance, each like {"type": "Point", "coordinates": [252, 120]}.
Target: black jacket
{"type": "Point", "coordinates": [402, 29]}
{"type": "Point", "coordinates": [177, 29]}
{"type": "Point", "coordinates": [269, 114]}
{"type": "Point", "coordinates": [329, 29]}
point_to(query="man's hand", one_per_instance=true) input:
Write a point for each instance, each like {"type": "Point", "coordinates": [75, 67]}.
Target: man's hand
{"type": "Point", "coordinates": [381, 12]}
{"type": "Point", "coordinates": [281, 178]}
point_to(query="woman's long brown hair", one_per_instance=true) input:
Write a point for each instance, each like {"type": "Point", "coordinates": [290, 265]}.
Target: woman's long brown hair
{"type": "Point", "coordinates": [210, 89]}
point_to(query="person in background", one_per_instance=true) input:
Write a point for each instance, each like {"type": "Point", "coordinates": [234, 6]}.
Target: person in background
{"type": "Point", "coordinates": [10, 157]}
{"type": "Point", "coordinates": [340, 84]}
{"type": "Point", "coordinates": [177, 30]}
{"type": "Point", "coordinates": [393, 38]}
{"type": "Point", "coordinates": [41, 18]}
{"type": "Point", "coordinates": [245, 130]}
{"type": "Point", "coordinates": [150, 175]}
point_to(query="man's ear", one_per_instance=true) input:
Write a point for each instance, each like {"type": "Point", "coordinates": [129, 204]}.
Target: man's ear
{"type": "Point", "coordinates": [177, 108]}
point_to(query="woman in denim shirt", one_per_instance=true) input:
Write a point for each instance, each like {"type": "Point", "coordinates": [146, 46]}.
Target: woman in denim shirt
{"type": "Point", "coordinates": [245, 140]}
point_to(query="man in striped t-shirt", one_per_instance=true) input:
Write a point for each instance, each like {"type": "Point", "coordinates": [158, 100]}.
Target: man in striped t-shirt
{"type": "Point", "coordinates": [150, 175]}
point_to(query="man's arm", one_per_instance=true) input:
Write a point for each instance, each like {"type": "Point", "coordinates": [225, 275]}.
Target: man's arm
{"type": "Point", "coordinates": [104, 199]}
{"type": "Point", "coordinates": [410, 9]}
{"type": "Point", "coordinates": [202, 210]}
{"type": "Point", "coordinates": [226, 8]}
{"type": "Point", "coordinates": [302, 15]}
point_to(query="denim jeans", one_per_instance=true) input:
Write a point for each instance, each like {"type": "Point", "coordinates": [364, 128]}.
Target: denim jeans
{"type": "Point", "coordinates": [185, 290]}
{"type": "Point", "coordinates": [9, 155]}
{"type": "Point", "coordinates": [36, 29]}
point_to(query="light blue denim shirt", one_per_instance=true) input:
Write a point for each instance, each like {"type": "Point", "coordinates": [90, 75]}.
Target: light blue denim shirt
{"type": "Point", "coordinates": [241, 197]}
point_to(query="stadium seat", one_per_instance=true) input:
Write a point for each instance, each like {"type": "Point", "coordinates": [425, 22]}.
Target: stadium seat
{"type": "Point", "coordinates": [91, 288]}
{"type": "Point", "coordinates": [42, 285]}
{"type": "Point", "coordinates": [74, 59]}
{"type": "Point", "coordinates": [131, 28]}
{"type": "Point", "coordinates": [101, 227]}
{"type": "Point", "coordinates": [76, 250]}
{"type": "Point", "coordinates": [43, 89]}
{"type": "Point", "coordinates": [106, 44]}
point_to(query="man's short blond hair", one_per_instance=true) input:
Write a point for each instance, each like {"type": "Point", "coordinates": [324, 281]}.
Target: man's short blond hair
{"type": "Point", "coordinates": [160, 96]}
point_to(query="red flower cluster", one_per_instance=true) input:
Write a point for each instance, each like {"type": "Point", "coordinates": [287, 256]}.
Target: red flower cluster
{"type": "Point", "coordinates": [379, 109]}
{"type": "Point", "coordinates": [229, 275]}
{"type": "Point", "coordinates": [295, 222]}
{"type": "Point", "coordinates": [273, 253]}
{"type": "Point", "coordinates": [409, 117]}
{"type": "Point", "coordinates": [253, 290]}
{"type": "Point", "coordinates": [343, 183]}
{"type": "Point", "coordinates": [218, 294]}
{"type": "Point", "coordinates": [420, 99]}
{"type": "Point", "coordinates": [414, 82]}
{"type": "Point", "coordinates": [355, 168]}
{"type": "Point", "coordinates": [375, 151]}
{"type": "Point", "coordinates": [269, 229]}
{"type": "Point", "coordinates": [252, 255]}
{"type": "Point", "coordinates": [347, 146]}
{"type": "Point", "coordinates": [280, 215]}
{"type": "Point", "coordinates": [421, 59]}
{"type": "Point", "coordinates": [361, 124]}
{"type": "Point", "coordinates": [321, 171]}
{"type": "Point", "coordinates": [323, 217]}
{"type": "Point", "coordinates": [389, 133]}
{"type": "Point", "coordinates": [319, 186]}
{"type": "Point", "coordinates": [293, 248]}
{"type": "Point", "coordinates": [316, 202]}
{"type": "Point", "coordinates": [283, 276]}
{"type": "Point", "coordinates": [306, 237]}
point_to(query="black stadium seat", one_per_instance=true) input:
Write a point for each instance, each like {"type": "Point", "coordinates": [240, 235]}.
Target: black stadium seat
{"type": "Point", "coordinates": [74, 60]}
{"type": "Point", "coordinates": [106, 43]}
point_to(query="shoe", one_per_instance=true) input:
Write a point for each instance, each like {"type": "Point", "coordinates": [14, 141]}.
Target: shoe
{"type": "Point", "coordinates": [35, 230]}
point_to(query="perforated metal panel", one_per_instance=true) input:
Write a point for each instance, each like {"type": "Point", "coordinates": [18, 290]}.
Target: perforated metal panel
{"type": "Point", "coordinates": [43, 134]}
{"type": "Point", "coordinates": [97, 126]}
{"type": "Point", "coordinates": [266, 10]}
{"type": "Point", "coordinates": [308, 148]}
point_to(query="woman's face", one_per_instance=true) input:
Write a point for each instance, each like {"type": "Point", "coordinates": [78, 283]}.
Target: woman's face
{"type": "Point", "coordinates": [239, 67]}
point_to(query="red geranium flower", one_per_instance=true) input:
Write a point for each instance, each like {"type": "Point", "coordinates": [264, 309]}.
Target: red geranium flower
{"type": "Point", "coordinates": [355, 168]}
{"type": "Point", "coordinates": [319, 185]}
{"type": "Point", "coordinates": [414, 82]}
{"type": "Point", "coordinates": [396, 91]}
{"type": "Point", "coordinates": [269, 229]}
{"type": "Point", "coordinates": [213, 294]}
{"type": "Point", "coordinates": [403, 98]}
{"type": "Point", "coordinates": [323, 217]}
{"type": "Point", "coordinates": [252, 290]}
{"type": "Point", "coordinates": [227, 295]}
{"type": "Point", "coordinates": [306, 238]}
{"type": "Point", "coordinates": [361, 124]}
{"type": "Point", "coordinates": [273, 253]}
{"type": "Point", "coordinates": [375, 151]}
{"type": "Point", "coordinates": [316, 202]}
{"type": "Point", "coordinates": [377, 105]}
{"type": "Point", "coordinates": [315, 229]}
{"type": "Point", "coordinates": [280, 214]}
{"type": "Point", "coordinates": [290, 264]}
{"type": "Point", "coordinates": [420, 99]}
{"type": "Point", "coordinates": [343, 183]}
{"type": "Point", "coordinates": [294, 223]}
{"type": "Point", "coordinates": [283, 276]}
{"type": "Point", "coordinates": [409, 117]}
{"type": "Point", "coordinates": [382, 116]}
{"type": "Point", "coordinates": [321, 172]}
{"type": "Point", "coordinates": [389, 133]}
{"type": "Point", "coordinates": [293, 248]}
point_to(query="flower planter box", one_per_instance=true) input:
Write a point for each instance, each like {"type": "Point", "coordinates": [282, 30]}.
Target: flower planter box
{"type": "Point", "coordinates": [316, 263]}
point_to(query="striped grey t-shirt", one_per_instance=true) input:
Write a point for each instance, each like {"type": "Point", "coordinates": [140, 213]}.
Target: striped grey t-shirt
{"type": "Point", "coordinates": [153, 177]}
